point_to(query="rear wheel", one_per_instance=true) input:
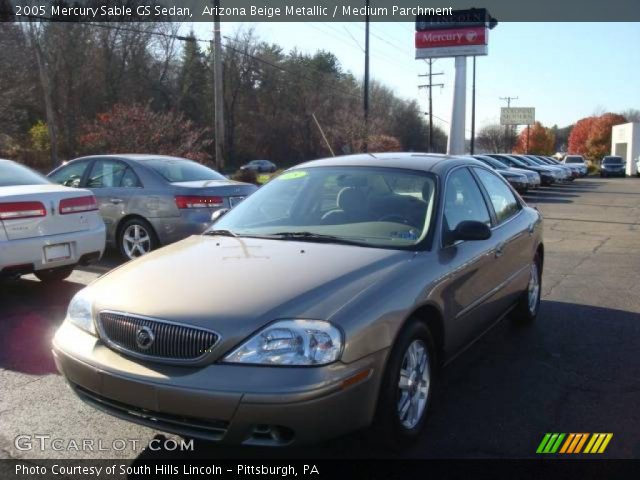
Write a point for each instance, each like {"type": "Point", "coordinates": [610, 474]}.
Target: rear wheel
{"type": "Point", "coordinates": [408, 382]}
{"type": "Point", "coordinates": [529, 303]}
{"type": "Point", "coordinates": [54, 275]}
{"type": "Point", "coordinates": [136, 238]}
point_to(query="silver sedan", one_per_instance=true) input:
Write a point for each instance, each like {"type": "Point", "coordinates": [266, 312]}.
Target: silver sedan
{"type": "Point", "coordinates": [151, 200]}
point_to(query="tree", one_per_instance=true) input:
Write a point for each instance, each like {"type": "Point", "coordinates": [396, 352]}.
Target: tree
{"type": "Point", "coordinates": [138, 129]}
{"type": "Point", "coordinates": [632, 115]}
{"type": "Point", "coordinates": [579, 135]}
{"type": "Point", "coordinates": [599, 142]}
{"type": "Point", "coordinates": [537, 140]}
{"type": "Point", "coordinates": [492, 139]}
{"type": "Point", "coordinates": [194, 83]}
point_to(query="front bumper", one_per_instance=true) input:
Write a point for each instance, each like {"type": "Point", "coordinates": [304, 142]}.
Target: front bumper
{"type": "Point", "coordinates": [28, 253]}
{"type": "Point", "coordinates": [234, 404]}
{"type": "Point", "coordinates": [520, 186]}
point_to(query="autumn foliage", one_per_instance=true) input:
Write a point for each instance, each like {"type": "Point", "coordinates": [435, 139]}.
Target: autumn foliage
{"type": "Point", "coordinates": [591, 136]}
{"type": "Point", "coordinates": [540, 141]}
{"type": "Point", "coordinates": [139, 129]}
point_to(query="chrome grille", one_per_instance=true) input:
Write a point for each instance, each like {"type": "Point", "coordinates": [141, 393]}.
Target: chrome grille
{"type": "Point", "coordinates": [170, 341]}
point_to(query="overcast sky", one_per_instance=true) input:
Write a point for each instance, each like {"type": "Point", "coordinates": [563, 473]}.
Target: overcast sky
{"type": "Point", "coordinates": [565, 70]}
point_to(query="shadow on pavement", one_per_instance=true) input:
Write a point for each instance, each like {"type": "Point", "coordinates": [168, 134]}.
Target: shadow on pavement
{"type": "Point", "coordinates": [30, 312]}
{"type": "Point", "coordinates": [574, 369]}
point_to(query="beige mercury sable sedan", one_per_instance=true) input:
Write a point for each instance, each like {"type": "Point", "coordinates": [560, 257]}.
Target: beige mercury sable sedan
{"type": "Point", "coordinates": [324, 303]}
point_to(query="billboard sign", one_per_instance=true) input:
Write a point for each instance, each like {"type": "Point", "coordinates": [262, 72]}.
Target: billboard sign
{"type": "Point", "coordinates": [452, 42]}
{"type": "Point", "coordinates": [517, 116]}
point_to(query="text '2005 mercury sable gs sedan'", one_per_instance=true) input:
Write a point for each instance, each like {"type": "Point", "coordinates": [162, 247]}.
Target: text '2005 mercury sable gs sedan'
{"type": "Point", "coordinates": [323, 303]}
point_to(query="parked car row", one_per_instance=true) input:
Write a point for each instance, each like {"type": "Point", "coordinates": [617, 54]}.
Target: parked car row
{"type": "Point", "coordinates": [525, 172]}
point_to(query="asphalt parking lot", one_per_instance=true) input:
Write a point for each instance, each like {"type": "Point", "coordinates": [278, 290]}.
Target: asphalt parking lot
{"type": "Point", "coordinates": [575, 370]}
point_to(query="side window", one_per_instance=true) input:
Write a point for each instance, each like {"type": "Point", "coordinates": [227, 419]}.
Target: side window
{"type": "Point", "coordinates": [106, 174]}
{"type": "Point", "coordinates": [504, 201]}
{"type": "Point", "coordinates": [130, 179]}
{"type": "Point", "coordinates": [70, 175]}
{"type": "Point", "coordinates": [463, 201]}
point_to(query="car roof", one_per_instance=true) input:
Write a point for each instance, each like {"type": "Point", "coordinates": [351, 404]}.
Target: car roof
{"type": "Point", "coordinates": [132, 156]}
{"type": "Point", "coordinates": [428, 162]}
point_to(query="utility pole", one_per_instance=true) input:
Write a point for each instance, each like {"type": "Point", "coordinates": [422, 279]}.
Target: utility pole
{"type": "Point", "coordinates": [366, 78]}
{"type": "Point", "coordinates": [218, 85]}
{"type": "Point", "coordinates": [507, 130]}
{"type": "Point", "coordinates": [473, 110]}
{"type": "Point", "coordinates": [430, 86]}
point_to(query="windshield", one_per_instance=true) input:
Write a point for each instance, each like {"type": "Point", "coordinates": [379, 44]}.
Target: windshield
{"type": "Point", "coordinates": [12, 174]}
{"type": "Point", "coordinates": [613, 160]}
{"type": "Point", "coordinates": [574, 160]}
{"type": "Point", "coordinates": [378, 207]}
{"type": "Point", "coordinates": [181, 170]}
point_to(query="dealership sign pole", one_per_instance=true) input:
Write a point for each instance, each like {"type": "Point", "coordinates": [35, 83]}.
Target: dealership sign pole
{"type": "Point", "coordinates": [461, 34]}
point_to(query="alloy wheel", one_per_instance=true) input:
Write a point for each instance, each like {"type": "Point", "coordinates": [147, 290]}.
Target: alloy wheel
{"type": "Point", "coordinates": [534, 288]}
{"type": "Point", "coordinates": [136, 241]}
{"type": "Point", "coordinates": [413, 385]}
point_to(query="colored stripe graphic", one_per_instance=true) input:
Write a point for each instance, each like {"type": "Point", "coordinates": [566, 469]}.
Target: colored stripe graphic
{"type": "Point", "coordinates": [556, 443]}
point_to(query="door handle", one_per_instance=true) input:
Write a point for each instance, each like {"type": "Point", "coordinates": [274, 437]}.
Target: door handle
{"type": "Point", "coordinates": [499, 250]}
{"type": "Point", "coordinates": [115, 200]}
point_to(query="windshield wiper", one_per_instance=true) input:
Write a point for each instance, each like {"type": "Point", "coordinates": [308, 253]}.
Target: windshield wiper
{"type": "Point", "coordinates": [313, 237]}
{"type": "Point", "coordinates": [222, 233]}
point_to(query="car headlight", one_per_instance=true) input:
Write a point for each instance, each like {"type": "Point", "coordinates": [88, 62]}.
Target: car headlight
{"type": "Point", "coordinates": [291, 342]}
{"type": "Point", "coordinates": [80, 311]}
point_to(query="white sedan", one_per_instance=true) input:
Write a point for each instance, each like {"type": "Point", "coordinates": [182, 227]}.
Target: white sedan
{"type": "Point", "coordinates": [45, 229]}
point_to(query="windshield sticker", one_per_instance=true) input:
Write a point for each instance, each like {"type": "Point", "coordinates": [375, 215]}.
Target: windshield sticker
{"type": "Point", "coordinates": [406, 235]}
{"type": "Point", "coordinates": [293, 175]}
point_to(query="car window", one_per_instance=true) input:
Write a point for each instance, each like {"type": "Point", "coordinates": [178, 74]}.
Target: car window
{"type": "Point", "coordinates": [502, 198]}
{"type": "Point", "coordinates": [106, 173]}
{"type": "Point", "coordinates": [70, 175]}
{"type": "Point", "coordinates": [15, 174]}
{"type": "Point", "coordinates": [574, 160]}
{"type": "Point", "coordinates": [463, 201]}
{"type": "Point", "coordinates": [130, 179]}
{"type": "Point", "coordinates": [176, 170]}
{"type": "Point", "coordinates": [613, 160]}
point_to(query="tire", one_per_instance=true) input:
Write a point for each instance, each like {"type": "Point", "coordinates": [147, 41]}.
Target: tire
{"type": "Point", "coordinates": [136, 238]}
{"type": "Point", "coordinates": [528, 305]}
{"type": "Point", "coordinates": [390, 428]}
{"type": "Point", "coordinates": [54, 275]}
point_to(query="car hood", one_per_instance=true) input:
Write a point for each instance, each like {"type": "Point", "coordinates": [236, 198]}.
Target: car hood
{"type": "Point", "coordinates": [235, 286]}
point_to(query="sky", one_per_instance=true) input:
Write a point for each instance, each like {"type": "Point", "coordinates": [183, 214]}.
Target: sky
{"type": "Point", "coordinates": [565, 70]}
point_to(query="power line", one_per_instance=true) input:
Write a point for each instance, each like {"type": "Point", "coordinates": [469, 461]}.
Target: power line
{"type": "Point", "coordinates": [430, 86]}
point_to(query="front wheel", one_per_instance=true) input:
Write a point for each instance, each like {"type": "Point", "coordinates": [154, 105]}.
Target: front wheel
{"type": "Point", "coordinates": [529, 303]}
{"type": "Point", "coordinates": [406, 388]}
{"type": "Point", "coordinates": [54, 275]}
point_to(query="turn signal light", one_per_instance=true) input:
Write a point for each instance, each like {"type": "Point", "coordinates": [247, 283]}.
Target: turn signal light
{"type": "Point", "coordinates": [78, 204]}
{"type": "Point", "coordinates": [196, 201]}
{"type": "Point", "coordinates": [17, 210]}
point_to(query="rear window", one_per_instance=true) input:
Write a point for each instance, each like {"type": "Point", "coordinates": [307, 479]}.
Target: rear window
{"type": "Point", "coordinates": [574, 160]}
{"type": "Point", "coordinates": [12, 174]}
{"type": "Point", "coordinates": [180, 170]}
{"type": "Point", "coordinates": [615, 160]}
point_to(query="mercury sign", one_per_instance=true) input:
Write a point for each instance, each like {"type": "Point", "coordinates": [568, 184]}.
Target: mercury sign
{"type": "Point", "coordinates": [517, 116]}
{"type": "Point", "coordinates": [452, 42]}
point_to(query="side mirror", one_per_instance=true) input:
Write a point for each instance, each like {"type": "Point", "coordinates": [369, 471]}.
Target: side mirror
{"type": "Point", "coordinates": [471, 230]}
{"type": "Point", "coordinates": [218, 214]}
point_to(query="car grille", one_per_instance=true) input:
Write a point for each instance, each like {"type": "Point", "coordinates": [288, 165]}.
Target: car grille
{"type": "Point", "coordinates": [213, 430]}
{"type": "Point", "coordinates": [168, 340]}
